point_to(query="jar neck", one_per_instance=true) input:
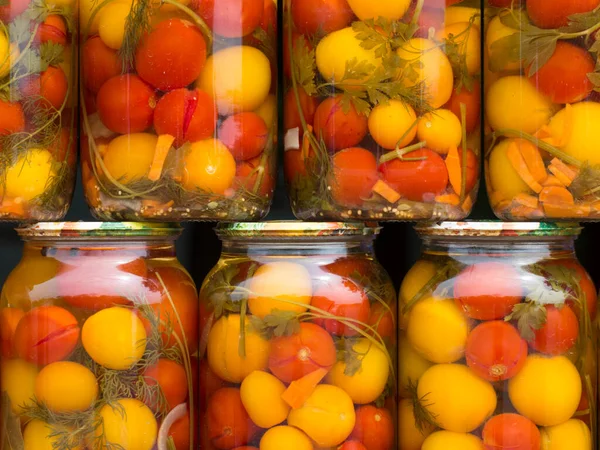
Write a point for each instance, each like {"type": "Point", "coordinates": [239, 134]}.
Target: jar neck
{"type": "Point", "coordinates": [302, 246]}
{"type": "Point", "coordinates": [155, 248]}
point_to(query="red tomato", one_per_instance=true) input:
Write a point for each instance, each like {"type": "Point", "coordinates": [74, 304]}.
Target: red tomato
{"type": "Point", "coordinates": [298, 41]}
{"type": "Point", "coordinates": [231, 18]}
{"type": "Point", "coordinates": [586, 284]}
{"type": "Point", "coordinates": [9, 319]}
{"type": "Point", "coordinates": [374, 428]}
{"type": "Point", "coordinates": [337, 128]}
{"type": "Point", "coordinates": [495, 351]}
{"type": "Point", "coordinates": [53, 29]}
{"type": "Point", "coordinates": [555, 13]}
{"type": "Point", "coordinates": [51, 85]}
{"type": "Point", "coordinates": [227, 421]}
{"type": "Point", "coordinates": [172, 56]}
{"type": "Point", "coordinates": [308, 105]}
{"type": "Point", "coordinates": [63, 149]}
{"type": "Point", "coordinates": [180, 432]}
{"type": "Point", "coordinates": [326, 16]}
{"type": "Point", "coordinates": [302, 353]}
{"type": "Point", "coordinates": [349, 267]}
{"type": "Point", "coordinates": [563, 79]}
{"type": "Point", "coordinates": [559, 333]}
{"type": "Point", "coordinates": [269, 18]}
{"type": "Point", "coordinates": [352, 445]}
{"type": "Point", "coordinates": [511, 432]}
{"type": "Point", "coordinates": [293, 165]}
{"type": "Point", "coordinates": [471, 100]}
{"type": "Point", "coordinates": [429, 18]}
{"type": "Point", "coordinates": [344, 299]}
{"type": "Point", "coordinates": [245, 135]}
{"type": "Point", "coordinates": [354, 175]}
{"type": "Point", "coordinates": [172, 379]}
{"type": "Point", "coordinates": [417, 180]}
{"type": "Point", "coordinates": [12, 9]}
{"type": "Point", "coordinates": [247, 173]}
{"type": "Point", "coordinates": [208, 384]}
{"type": "Point", "coordinates": [126, 104]}
{"type": "Point", "coordinates": [488, 290]}
{"type": "Point", "coordinates": [100, 63]}
{"type": "Point", "coordinates": [12, 118]}
{"type": "Point", "coordinates": [383, 321]}
{"type": "Point", "coordinates": [189, 116]}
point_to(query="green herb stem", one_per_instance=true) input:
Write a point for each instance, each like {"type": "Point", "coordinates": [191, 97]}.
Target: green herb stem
{"type": "Point", "coordinates": [463, 179]}
{"type": "Point", "coordinates": [400, 153]}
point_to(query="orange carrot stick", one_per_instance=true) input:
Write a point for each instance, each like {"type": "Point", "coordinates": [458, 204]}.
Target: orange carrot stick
{"type": "Point", "coordinates": [527, 200]}
{"type": "Point", "coordinates": [453, 164]}
{"type": "Point", "coordinates": [163, 145]}
{"type": "Point", "coordinates": [565, 173]}
{"type": "Point", "coordinates": [533, 160]}
{"type": "Point", "coordinates": [556, 195]}
{"type": "Point", "coordinates": [386, 191]}
{"type": "Point", "coordinates": [516, 159]}
{"type": "Point", "coordinates": [566, 210]}
{"type": "Point", "coordinates": [448, 199]}
{"type": "Point", "coordinates": [298, 391]}
{"type": "Point", "coordinates": [552, 181]}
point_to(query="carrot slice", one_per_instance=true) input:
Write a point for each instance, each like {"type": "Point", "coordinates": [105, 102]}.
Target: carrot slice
{"type": "Point", "coordinates": [467, 204]}
{"type": "Point", "coordinates": [298, 391]}
{"type": "Point", "coordinates": [163, 145]}
{"type": "Point", "coordinates": [518, 162]}
{"type": "Point", "coordinates": [527, 200]}
{"type": "Point", "coordinates": [552, 181]}
{"type": "Point", "coordinates": [566, 210]}
{"type": "Point", "coordinates": [448, 199]}
{"type": "Point", "coordinates": [386, 191]}
{"type": "Point", "coordinates": [454, 169]}
{"type": "Point", "coordinates": [522, 211]}
{"type": "Point", "coordinates": [533, 160]}
{"type": "Point", "coordinates": [556, 195]}
{"type": "Point", "coordinates": [565, 173]}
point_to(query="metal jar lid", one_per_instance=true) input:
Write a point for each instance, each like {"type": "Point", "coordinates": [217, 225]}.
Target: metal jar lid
{"type": "Point", "coordinates": [295, 229]}
{"type": "Point", "coordinates": [91, 230]}
{"type": "Point", "coordinates": [494, 229]}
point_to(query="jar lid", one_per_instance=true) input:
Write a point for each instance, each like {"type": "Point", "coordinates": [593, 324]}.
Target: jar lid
{"type": "Point", "coordinates": [75, 230]}
{"type": "Point", "coordinates": [295, 229]}
{"type": "Point", "coordinates": [499, 229]}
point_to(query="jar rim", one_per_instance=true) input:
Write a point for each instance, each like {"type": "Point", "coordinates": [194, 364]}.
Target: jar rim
{"type": "Point", "coordinates": [100, 230]}
{"type": "Point", "coordinates": [494, 229]}
{"type": "Point", "coordinates": [295, 229]}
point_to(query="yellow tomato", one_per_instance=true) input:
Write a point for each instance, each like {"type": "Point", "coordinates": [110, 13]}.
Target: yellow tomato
{"type": "Point", "coordinates": [458, 399]}
{"type": "Point", "coordinates": [66, 386]}
{"type": "Point", "coordinates": [129, 424]}
{"type": "Point", "coordinates": [370, 379]}
{"type": "Point", "coordinates": [572, 434]}
{"type": "Point", "coordinates": [238, 78]}
{"type": "Point", "coordinates": [449, 440]}
{"type": "Point", "coordinates": [496, 31]}
{"type": "Point", "coordinates": [335, 51]}
{"type": "Point", "coordinates": [468, 39]}
{"type": "Point", "coordinates": [223, 349]}
{"type": "Point", "coordinates": [410, 367]}
{"type": "Point", "coordinates": [28, 177]}
{"type": "Point", "coordinates": [268, 111]}
{"type": "Point", "coordinates": [427, 64]}
{"type": "Point", "coordinates": [129, 157]}
{"type": "Point", "coordinates": [514, 102]}
{"type": "Point", "coordinates": [410, 437]}
{"type": "Point", "coordinates": [284, 437]}
{"type": "Point", "coordinates": [578, 125]}
{"type": "Point", "coordinates": [30, 281]}
{"type": "Point", "coordinates": [393, 124]}
{"type": "Point", "coordinates": [504, 179]}
{"type": "Point", "coordinates": [458, 14]}
{"type": "Point", "coordinates": [440, 129]}
{"type": "Point", "coordinates": [413, 282]}
{"type": "Point", "coordinates": [8, 54]}
{"type": "Point", "coordinates": [546, 390]}
{"type": "Point", "coordinates": [451, 327]}
{"type": "Point", "coordinates": [285, 286]}
{"type": "Point", "coordinates": [111, 23]}
{"type": "Point", "coordinates": [327, 416]}
{"type": "Point", "coordinates": [17, 379]}
{"type": "Point", "coordinates": [40, 435]}
{"type": "Point", "coordinates": [388, 9]}
{"type": "Point", "coordinates": [114, 337]}
{"type": "Point", "coordinates": [208, 166]}
{"type": "Point", "coordinates": [261, 396]}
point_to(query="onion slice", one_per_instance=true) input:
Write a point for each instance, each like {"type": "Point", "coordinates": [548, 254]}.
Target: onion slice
{"type": "Point", "coordinates": [174, 415]}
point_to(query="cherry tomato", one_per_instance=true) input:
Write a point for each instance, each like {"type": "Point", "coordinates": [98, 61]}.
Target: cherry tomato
{"type": "Point", "coordinates": [374, 428]}
{"type": "Point", "coordinates": [172, 379]}
{"type": "Point", "coordinates": [383, 321]}
{"type": "Point", "coordinates": [53, 29]}
{"type": "Point", "coordinates": [563, 79]}
{"type": "Point", "coordinates": [344, 299]}
{"type": "Point", "coordinates": [419, 180]}
{"type": "Point", "coordinates": [51, 85]}
{"type": "Point", "coordinates": [227, 421]}
{"type": "Point", "coordinates": [471, 100]}
{"type": "Point", "coordinates": [337, 128]}
{"type": "Point", "coordinates": [12, 118]}
{"type": "Point", "coordinates": [302, 353]}
{"type": "Point", "coordinates": [559, 333]}
{"type": "Point", "coordinates": [245, 135]}
{"type": "Point", "coordinates": [247, 173]}
{"type": "Point", "coordinates": [172, 55]}
{"type": "Point", "coordinates": [354, 175]}
{"type": "Point", "coordinates": [208, 383]}
{"type": "Point", "coordinates": [12, 9]}
{"type": "Point", "coordinates": [180, 432]}
{"type": "Point", "coordinates": [231, 18]}
{"type": "Point", "coordinates": [126, 104]}
{"type": "Point", "coordinates": [349, 267]}
{"type": "Point", "coordinates": [352, 445]}
{"type": "Point", "coordinates": [555, 14]}
{"type": "Point", "coordinates": [189, 116]}
{"type": "Point", "coordinates": [308, 105]}
{"type": "Point", "coordinates": [100, 63]}
{"type": "Point", "coordinates": [269, 18]}
{"type": "Point", "coordinates": [488, 290]}
{"type": "Point", "coordinates": [511, 432]}
{"type": "Point", "coordinates": [326, 16]}
{"type": "Point", "coordinates": [495, 351]}
{"type": "Point", "coordinates": [298, 41]}
{"type": "Point", "coordinates": [431, 17]}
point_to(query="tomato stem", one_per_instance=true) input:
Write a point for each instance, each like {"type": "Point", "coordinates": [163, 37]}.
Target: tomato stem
{"type": "Point", "coordinates": [399, 153]}
{"type": "Point", "coordinates": [197, 19]}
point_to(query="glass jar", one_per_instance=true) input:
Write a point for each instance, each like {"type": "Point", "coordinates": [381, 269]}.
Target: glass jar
{"type": "Point", "coordinates": [98, 332]}
{"type": "Point", "coordinates": [498, 342]}
{"type": "Point", "coordinates": [542, 107]}
{"type": "Point", "coordinates": [180, 110]}
{"type": "Point", "coordinates": [382, 108]}
{"type": "Point", "coordinates": [298, 339]}
{"type": "Point", "coordinates": [38, 108]}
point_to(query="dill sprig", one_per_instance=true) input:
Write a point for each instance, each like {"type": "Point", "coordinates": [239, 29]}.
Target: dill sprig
{"type": "Point", "coordinates": [138, 22]}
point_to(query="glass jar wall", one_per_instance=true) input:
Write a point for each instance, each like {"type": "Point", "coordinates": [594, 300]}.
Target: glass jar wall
{"type": "Point", "coordinates": [38, 67]}
{"type": "Point", "coordinates": [382, 108]}
{"type": "Point", "coordinates": [179, 108]}
{"type": "Point", "coordinates": [542, 109]}
{"type": "Point", "coordinates": [99, 328]}
{"type": "Point", "coordinates": [298, 340]}
{"type": "Point", "coordinates": [498, 340]}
